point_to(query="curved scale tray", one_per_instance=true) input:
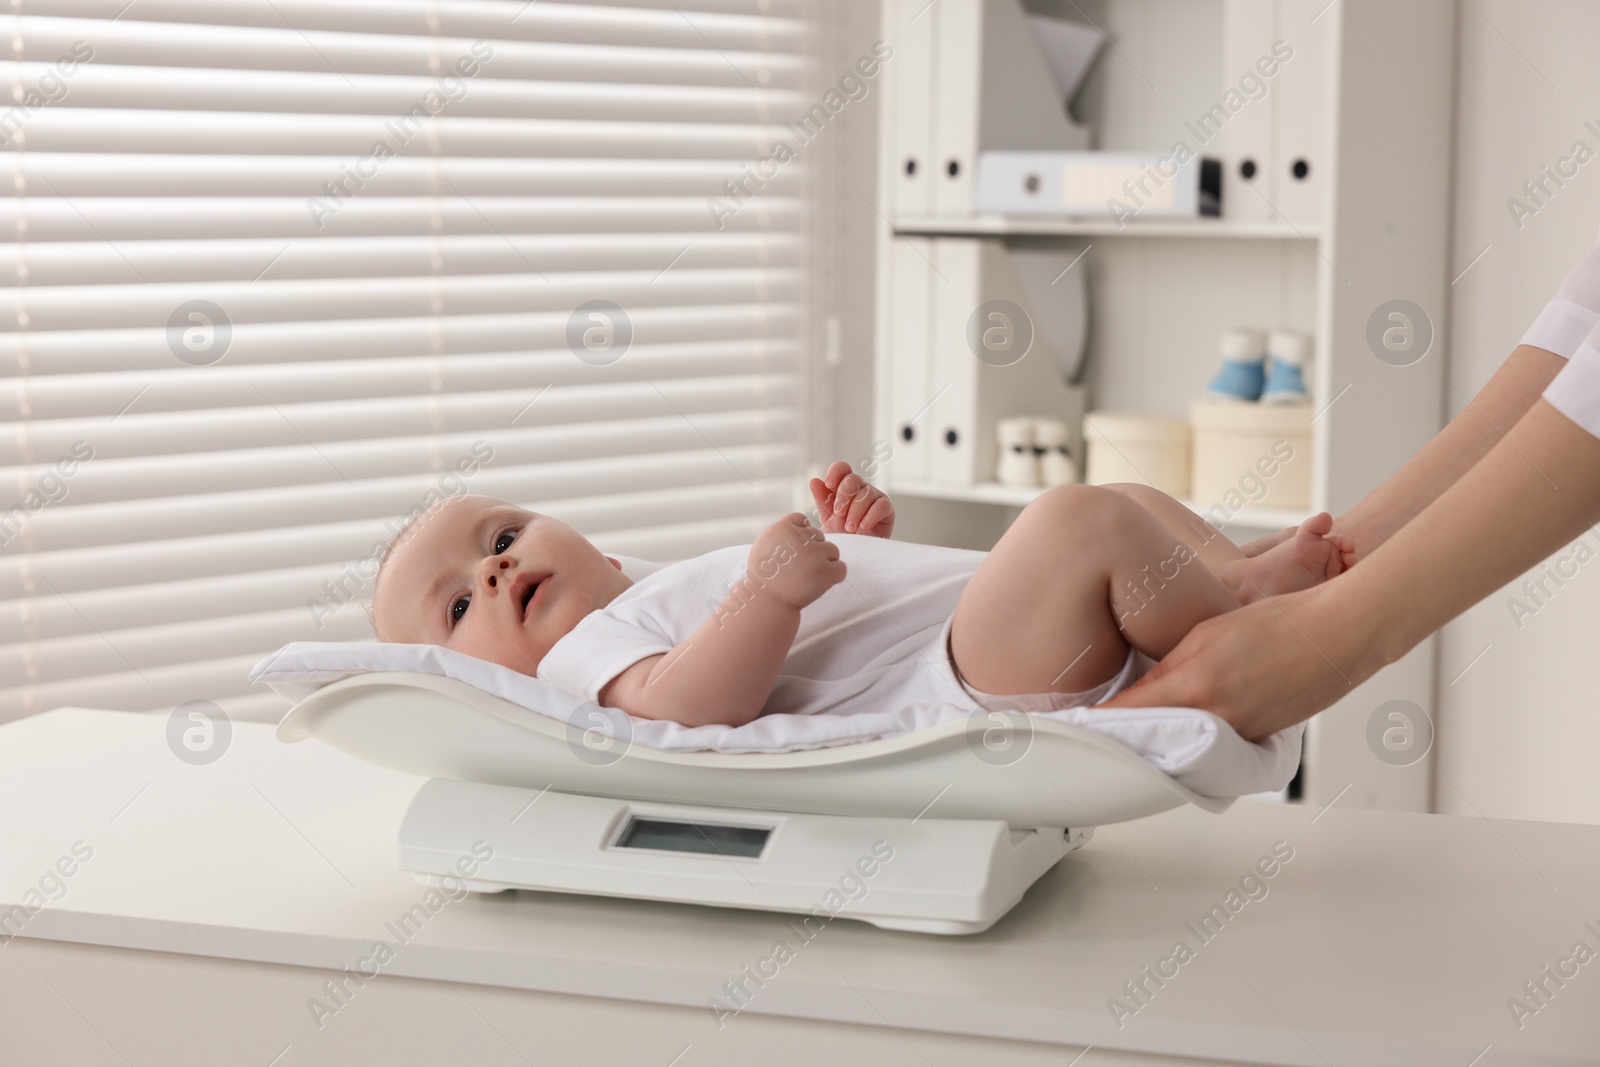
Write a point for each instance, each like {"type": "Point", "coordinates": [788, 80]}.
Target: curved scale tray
{"type": "Point", "coordinates": [1052, 774]}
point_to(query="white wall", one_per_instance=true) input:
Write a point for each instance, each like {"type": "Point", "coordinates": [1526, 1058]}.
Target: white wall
{"type": "Point", "coordinates": [1519, 733]}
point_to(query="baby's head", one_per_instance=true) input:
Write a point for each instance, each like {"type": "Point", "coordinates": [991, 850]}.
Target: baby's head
{"type": "Point", "coordinates": [462, 573]}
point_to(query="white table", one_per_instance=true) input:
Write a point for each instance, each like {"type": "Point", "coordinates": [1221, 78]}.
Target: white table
{"type": "Point", "coordinates": [219, 899]}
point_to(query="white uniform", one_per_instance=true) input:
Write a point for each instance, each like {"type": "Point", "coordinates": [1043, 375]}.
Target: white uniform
{"type": "Point", "coordinates": [1569, 326]}
{"type": "Point", "coordinates": [876, 640]}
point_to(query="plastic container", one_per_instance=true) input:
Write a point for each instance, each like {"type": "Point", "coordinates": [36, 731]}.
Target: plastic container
{"type": "Point", "coordinates": [1148, 449]}
{"type": "Point", "coordinates": [1251, 455]}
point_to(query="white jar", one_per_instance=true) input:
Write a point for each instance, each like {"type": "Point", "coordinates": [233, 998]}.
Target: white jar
{"type": "Point", "coordinates": [1148, 449]}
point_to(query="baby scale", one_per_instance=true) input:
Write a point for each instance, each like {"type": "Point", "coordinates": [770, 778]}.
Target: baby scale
{"type": "Point", "coordinates": [933, 831]}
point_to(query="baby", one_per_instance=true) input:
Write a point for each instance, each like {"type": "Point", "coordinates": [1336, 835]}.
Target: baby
{"type": "Point", "coordinates": [1087, 587]}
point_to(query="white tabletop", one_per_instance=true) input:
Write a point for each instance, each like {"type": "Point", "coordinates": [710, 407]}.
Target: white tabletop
{"type": "Point", "coordinates": [1387, 938]}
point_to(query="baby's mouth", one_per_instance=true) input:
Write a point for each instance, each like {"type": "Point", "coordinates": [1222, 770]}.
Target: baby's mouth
{"type": "Point", "coordinates": [531, 592]}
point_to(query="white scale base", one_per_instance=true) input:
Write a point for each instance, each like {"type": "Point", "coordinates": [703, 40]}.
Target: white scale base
{"type": "Point", "coordinates": [933, 876]}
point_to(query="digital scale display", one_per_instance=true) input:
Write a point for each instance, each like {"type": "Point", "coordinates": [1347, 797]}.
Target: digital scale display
{"type": "Point", "coordinates": [709, 838]}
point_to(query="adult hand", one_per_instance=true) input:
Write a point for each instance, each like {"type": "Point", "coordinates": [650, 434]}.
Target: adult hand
{"type": "Point", "coordinates": [1262, 668]}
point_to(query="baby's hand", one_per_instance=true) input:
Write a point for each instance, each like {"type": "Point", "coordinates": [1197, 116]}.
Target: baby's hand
{"type": "Point", "coordinates": [847, 504]}
{"type": "Point", "coordinates": [793, 560]}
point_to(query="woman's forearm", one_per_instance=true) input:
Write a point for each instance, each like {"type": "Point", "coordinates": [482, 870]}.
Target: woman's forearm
{"type": "Point", "coordinates": [1281, 660]}
{"type": "Point", "coordinates": [1536, 490]}
{"type": "Point", "coordinates": [1440, 463]}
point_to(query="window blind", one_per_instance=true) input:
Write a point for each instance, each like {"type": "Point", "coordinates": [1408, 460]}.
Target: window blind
{"type": "Point", "coordinates": [280, 272]}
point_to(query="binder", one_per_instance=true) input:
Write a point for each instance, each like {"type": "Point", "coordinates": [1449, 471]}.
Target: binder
{"type": "Point", "coordinates": [1250, 186]}
{"type": "Point", "coordinates": [977, 393]}
{"type": "Point", "coordinates": [910, 390]}
{"type": "Point", "coordinates": [1091, 185]}
{"type": "Point", "coordinates": [958, 44]}
{"type": "Point", "coordinates": [1300, 113]}
{"type": "Point", "coordinates": [912, 27]}
{"type": "Point", "coordinates": [995, 89]}
{"type": "Point", "coordinates": [955, 369]}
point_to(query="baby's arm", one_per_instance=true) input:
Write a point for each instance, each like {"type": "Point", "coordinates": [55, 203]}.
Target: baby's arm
{"type": "Point", "coordinates": [725, 670]}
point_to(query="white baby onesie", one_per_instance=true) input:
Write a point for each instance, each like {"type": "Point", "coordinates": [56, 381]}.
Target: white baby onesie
{"type": "Point", "coordinates": [874, 641]}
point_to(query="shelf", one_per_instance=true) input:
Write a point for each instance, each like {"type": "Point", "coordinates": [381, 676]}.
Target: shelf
{"type": "Point", "coordinates": [1018, 496]}
{"type": "Point", "coordinates": [1027, 226]}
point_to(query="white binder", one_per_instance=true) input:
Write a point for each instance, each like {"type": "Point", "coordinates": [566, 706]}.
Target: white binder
{"type": "Point", "coordinates": [1301, 109]}
{"type": "Point", "coordinates": [978, 392]}
{"type": "Point", "coordinates": [912, 25]}
{"type": "Point", "coordinates": [1250, 179]}
{"type": "Point", "coordinates": [1095, 185]}
{"type": "Point", "coordinates": [957, 294]}
{"type": "Point", "coordinates": [993, 88]}
{"type": "Point", "coordinates": [910, 389]}
{"type": "Point", "coordinates": [958, 69]}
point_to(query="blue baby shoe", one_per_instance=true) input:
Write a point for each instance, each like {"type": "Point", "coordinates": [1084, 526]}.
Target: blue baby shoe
{"type": "Point", "coordinates": [1243, 374]}
{"type": "Point", "coordinates": [1286, 383]}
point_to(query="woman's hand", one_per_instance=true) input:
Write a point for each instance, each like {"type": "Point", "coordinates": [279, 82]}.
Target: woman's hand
{"type": "Point", "coordinates": [847, 504]}
{"type": "Point", "coordinates": [1262, 668]}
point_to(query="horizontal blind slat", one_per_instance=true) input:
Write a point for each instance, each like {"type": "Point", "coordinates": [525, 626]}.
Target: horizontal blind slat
{"type": "Point", "coordinates": [152, 304]}
{"type": "Point", "coordinates": [135, 354]}
{"type": "Point", "coordinates": [517, 40]}
{"type": "Point", "coordinates": [127, 174]}
{"type": "Point", "coordinates": [65, 129]}
{"type": "Point", "coordinates": [119, 220]}
{"type": "Point", "coordinates": [399, 104]}
{"type": "Point", "coordinates": [96, 263]}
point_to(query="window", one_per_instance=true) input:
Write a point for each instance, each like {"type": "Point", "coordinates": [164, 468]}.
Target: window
{"type": "Point", "coordinates": [281, 272]}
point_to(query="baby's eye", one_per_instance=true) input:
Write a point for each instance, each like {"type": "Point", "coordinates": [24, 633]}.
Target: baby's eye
{"type": "Point", "coordinates": [508, 534]}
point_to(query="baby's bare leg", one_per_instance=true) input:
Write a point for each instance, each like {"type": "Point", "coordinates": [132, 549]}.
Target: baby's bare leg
{"type": "Point", "coordinates": [1208, 542]}
{"type": "Point", "coordinates": [1083, 573]}
{"type": "Point", "coordinates": [1299, 562]}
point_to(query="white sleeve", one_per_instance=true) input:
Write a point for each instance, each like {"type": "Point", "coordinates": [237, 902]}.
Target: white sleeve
{"type": "Point", "coordinates": [1575, 392]}
{"type": "Point", "coordinates": [595, 651]}
{"type": "Point", "coordinates": [1564, 323]}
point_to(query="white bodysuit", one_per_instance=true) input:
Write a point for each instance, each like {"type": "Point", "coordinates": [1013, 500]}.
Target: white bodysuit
{"type": "Point", "coordinates": [876, 640]}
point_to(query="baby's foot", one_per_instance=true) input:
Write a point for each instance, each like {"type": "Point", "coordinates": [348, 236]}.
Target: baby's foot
{"type": "Point", "coordinates": [1306, 559]}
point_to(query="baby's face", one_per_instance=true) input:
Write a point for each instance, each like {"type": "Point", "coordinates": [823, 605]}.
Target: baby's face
{"type": "Point", "coordinates": [463, 576]}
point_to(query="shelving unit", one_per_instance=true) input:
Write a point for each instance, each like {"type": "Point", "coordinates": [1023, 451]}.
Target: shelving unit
{"type": "Point", "coordinates": [1163, 291]}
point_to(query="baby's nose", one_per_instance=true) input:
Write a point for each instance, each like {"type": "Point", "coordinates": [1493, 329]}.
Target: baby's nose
{"type": "Point", "coordinates": [496, 565]}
